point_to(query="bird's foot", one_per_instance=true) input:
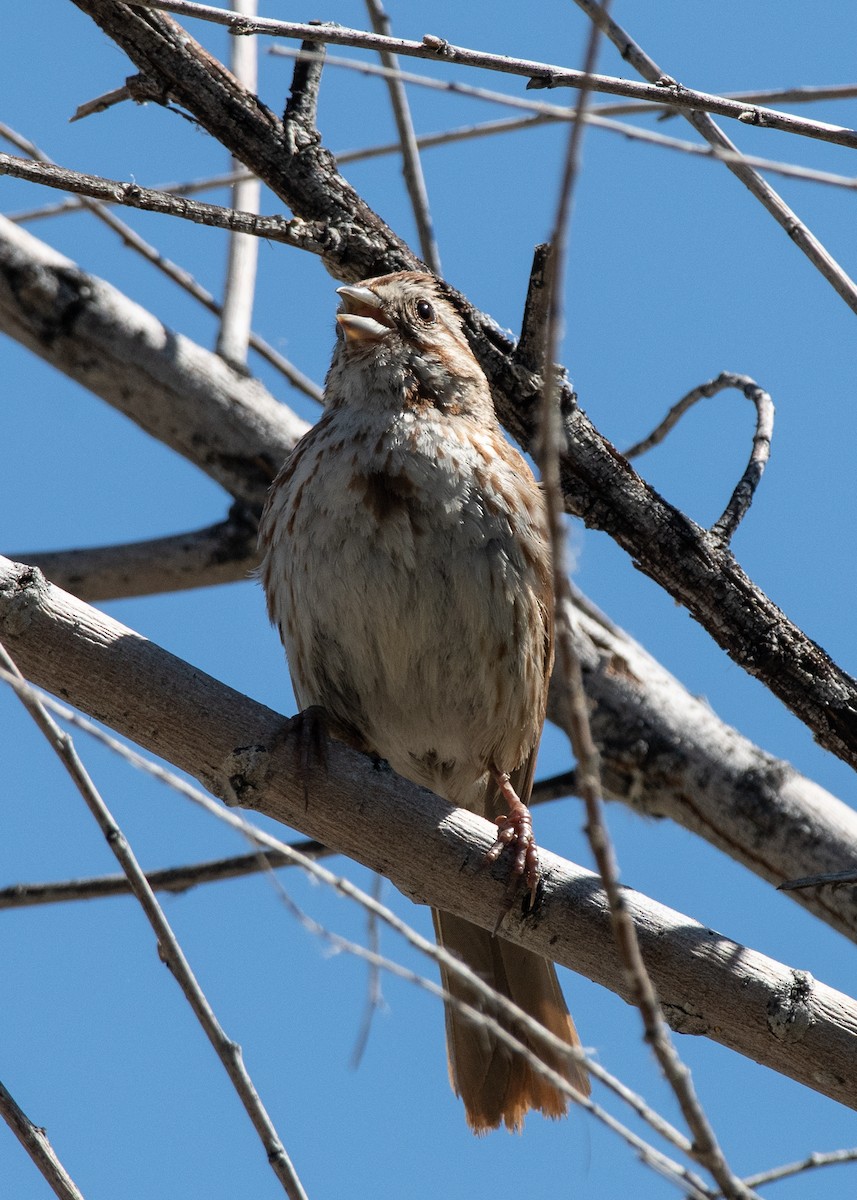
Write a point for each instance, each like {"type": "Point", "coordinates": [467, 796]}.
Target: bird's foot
{"type": "Point", "coordinates": [516, 831]}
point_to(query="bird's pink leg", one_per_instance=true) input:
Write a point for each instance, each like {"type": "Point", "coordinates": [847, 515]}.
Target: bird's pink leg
{"type": "Point", "coordinates": [516, 830]}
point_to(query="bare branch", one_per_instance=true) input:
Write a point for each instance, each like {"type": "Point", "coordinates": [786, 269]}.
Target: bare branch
{"type": "Point", "coordinates": [169, 949]}
{"type": "Point", "coordinates": [171, 879]}
{"type": "Point", "coordinates": [810, 1163]}
{"type": "Point", "coordinates": [35, 1142]}
{"type": "Point", "coordinates": [742, 497]}
{"type": "Point", "coordinates": [188, 187]}
{"type": "Point", "coordinates": [540, 74]}
{"type": "Point", "coordinates": [413, 171]}
{"type": "Point", "coordinates": [177, 274]}
{"type": "Point", "coordinates": [235, 323]}
{"type": "Point", "coordinates": [221, 553]}
{"type": "Point", "coordinates": [666, 754]}
{"type": "Point", "coordinates": [112, 191]}
{"type": "Point", "coordinates": [431, 851]}
{"type": "Point", "coordinates": [225, 423]}
{"type": "Point", "coordinates": [708, 128]}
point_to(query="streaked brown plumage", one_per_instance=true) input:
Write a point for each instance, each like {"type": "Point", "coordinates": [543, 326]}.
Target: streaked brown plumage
{"type": "Point", "coordinates": [406, 565]}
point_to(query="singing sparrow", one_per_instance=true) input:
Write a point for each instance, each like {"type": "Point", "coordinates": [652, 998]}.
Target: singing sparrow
{"type": "Point", "coordinates": [406, 565]}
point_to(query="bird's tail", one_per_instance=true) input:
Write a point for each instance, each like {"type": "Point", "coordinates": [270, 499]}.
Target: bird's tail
{"type": "Point", "coordinates": [496, 1084]}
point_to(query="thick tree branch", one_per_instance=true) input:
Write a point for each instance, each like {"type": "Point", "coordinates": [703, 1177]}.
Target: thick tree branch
{"type": "Point", "coordinates": [662, 750]}
{"type": "Point", "coordinates": [224, 422]}
{"type": "Point", "coordinates": [432, 852]}
{"type": "Point", "coordinates": [599, 486]}
{"type": "Point", "coordinates": [665, 753]}
{"type": "Point", "coordinates": [221, 553]}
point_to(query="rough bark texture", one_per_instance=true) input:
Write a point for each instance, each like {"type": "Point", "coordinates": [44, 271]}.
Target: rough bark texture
{"type": "Point", "coordinates": [185, 396]}
{"type": "Point", "coordinates": [434, 853]}
{"type": "Point", "coordinates": [599, 485]}
{"type": "Point", "coordinates": [663, 751]}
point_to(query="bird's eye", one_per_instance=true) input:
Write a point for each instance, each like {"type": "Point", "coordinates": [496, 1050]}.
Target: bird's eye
{"type": "Point", "coordinates": [425, 311]}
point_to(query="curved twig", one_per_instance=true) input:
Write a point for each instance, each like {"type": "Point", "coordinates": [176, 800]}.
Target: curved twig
{"type": "Point", "coordinates": [742, 497]}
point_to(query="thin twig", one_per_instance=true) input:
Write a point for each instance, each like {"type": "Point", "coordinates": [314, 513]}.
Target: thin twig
{"type": "Point", "coordinates": [102, 103]}
{"type": "Point", "coordinates": [172, 879]}
{"type": "Point", "coordinates": [802, 94]}
{"type": "Point", "coordinates": [817, 1159]}
{"type": "Point", "coordinates": [35, 1142]}
{"type": "Point", "coordinates": [169, 949]}
{"type": "Point", "coordinates": [542, 74]}
{"type": "Point", "coordinates": [233, 337]}
{"type": "Point", "coordinates": [549, 114]}
{"type": "Point", "coordinates": [177, 274]}
{"type": "Point", "coordinates": [188, 187]}
{"type": "Point", "coordinates": [742, 497]}
{"type": "Point", "coordinates": [706, 1150]}
{"type": "Point", "coordinates": [411, 165]}
{"type": "Point", "coordinates": [374, 994]}
{"type": "Point", "coordinates": [302, 234]}
{"type": "Point", "coordinates": [803, 238]}
{"type": "Point", "coordinates": [428, 947]}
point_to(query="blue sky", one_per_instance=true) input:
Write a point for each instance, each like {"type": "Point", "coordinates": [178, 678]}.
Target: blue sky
{"type": "Point", "coordinates": [675, 273]}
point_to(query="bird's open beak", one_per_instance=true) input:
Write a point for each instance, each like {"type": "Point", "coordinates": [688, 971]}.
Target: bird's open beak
{"type": "Point", "coordinates": [362, 319]}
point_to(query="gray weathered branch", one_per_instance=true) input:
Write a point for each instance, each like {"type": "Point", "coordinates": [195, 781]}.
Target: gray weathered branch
{"type": "Point", "coordinates": [189, 398]}
{"type": "Point", "coordinates": [221, 553]}
{"type": "Point", "coordinates": [664, 752]}
{"type": "Point", "coordinates": [434, 853]}
{"type": "Point", "coordinates": [598, 484]}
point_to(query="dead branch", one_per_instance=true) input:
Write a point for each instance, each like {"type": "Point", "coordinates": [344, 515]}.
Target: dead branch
{"type": "Point", "coordinates": [539, 74]}
{"type": "Point", "coordinates": [226, 423]}
{"type": "Point", "coordinates": [221, 553]}
{"type": "Point", "coordinates": [598, 485]}
{"type": "Point", "coordinates": [431, 851]}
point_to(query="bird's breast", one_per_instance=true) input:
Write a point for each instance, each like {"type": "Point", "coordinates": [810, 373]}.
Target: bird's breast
{"type": "Point", "coordinates": [400, 569]}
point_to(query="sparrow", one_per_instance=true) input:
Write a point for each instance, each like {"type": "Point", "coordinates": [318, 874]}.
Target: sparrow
{"type": "Point", "coordinates": [406, 564]}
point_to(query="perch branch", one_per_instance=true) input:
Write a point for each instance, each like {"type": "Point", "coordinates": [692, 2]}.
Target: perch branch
{"type": "Point", "coordinates": [431, 851]}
